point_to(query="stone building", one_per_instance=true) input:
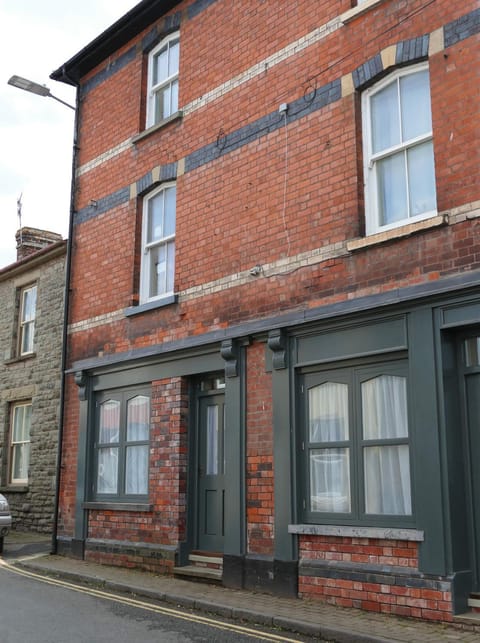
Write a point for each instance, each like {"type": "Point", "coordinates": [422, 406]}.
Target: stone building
{"type": "Point", "coordinates": [31, 330]}
{"type": "Point", "coordinates": [273, 360]}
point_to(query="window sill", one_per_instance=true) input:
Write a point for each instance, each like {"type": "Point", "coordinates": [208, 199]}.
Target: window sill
{"type": "Point", "coordinates": [381, 533]}
{"type": "Point", "coordinates": [14, 489]}
{"type": "Point", "coordinates": [151, 305]}
{"type": "Point", "coordinates": [118, 506]}
{"type": "Point", "coordinates": [174, 117]}
{"type": "Point", "coordinates": [395, 233]}
{"type": "Point", "coordinates": [360, 9]}
{"type": "Point", "coordinates": [19, 358]}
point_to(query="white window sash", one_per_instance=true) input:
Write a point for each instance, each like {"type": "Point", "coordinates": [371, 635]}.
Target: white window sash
{"type": "Point", "coordinates": [371, 159]}
{"type": "Point", "coordinates": [155, 88]}
{"type": "Point", "coordinates": [148, 248]}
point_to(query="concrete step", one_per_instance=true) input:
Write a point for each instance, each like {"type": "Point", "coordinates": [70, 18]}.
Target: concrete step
{"type": "Point", "coordinates": [193, 572]}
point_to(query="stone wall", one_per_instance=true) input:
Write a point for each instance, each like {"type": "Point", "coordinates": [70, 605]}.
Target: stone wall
{"type": "Point", "coordinates": [32, 378]}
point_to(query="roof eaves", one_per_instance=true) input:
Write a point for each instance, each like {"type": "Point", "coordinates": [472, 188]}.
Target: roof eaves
{"type": "Point", "coordinates": [117, 35]}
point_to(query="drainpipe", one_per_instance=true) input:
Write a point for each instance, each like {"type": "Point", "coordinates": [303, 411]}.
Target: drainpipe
{"type": "Point", "coordinates": [63, 366]}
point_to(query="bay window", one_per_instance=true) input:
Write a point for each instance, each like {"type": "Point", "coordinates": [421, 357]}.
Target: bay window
{"type": "Point", "coordinates": [122, 435]}
{"type": "Point", "coordinates": [355, 446]}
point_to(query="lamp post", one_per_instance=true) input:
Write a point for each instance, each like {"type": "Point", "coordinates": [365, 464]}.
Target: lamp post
{"type": "Point", "coordinates": [35, 88]}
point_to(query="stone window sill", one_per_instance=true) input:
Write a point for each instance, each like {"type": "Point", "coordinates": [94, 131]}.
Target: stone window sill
{"type": "Point", "coordinates": [118, 506]}
{"type": "Point", "coordinates": [360, 9]}
{"type": "Point", "coordinates": [395, 233]}
{"type": "Point", "coordinates": [19, 358]}
{"type": "Point", "coordinates": [154, 128]}
{"type": "Point", "coordinates": [380, 533]}
{"type": "Point", "coordinates": [14, 489]}
{"type": "Point", "coordinates": [151, 305]}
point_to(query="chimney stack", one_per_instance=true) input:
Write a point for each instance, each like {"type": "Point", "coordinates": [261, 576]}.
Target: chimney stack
{"type": "Point", "coordinates": [30, 240]}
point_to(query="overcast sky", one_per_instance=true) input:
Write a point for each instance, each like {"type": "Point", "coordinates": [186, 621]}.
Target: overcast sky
{"type": "Point", "coordinates": [36, 133]}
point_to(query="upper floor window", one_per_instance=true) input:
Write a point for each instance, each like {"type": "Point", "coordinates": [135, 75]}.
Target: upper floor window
{"type": "Point", "coordinates": [122, 437]}
{"type": "Point", "coordinates": [398, 150]}
{"type": "Point", "coordinates": [28, 305]}
{"type": "Point", "coordinates": [20, 442]}
{"type": "Point", "coordinates": [163, 64]}
{"type": "Point", "coordinates": [356, 445]}
{"type": "Point", "coordinates": [158, 244]}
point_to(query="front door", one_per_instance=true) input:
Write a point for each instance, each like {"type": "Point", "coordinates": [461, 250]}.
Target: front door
{"type": "Point", "coordinates": [211, 472]}
{"type": "Point", "coordinates": [472, 392]}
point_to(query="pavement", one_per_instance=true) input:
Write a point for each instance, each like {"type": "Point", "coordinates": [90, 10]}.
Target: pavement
{"type": "Point", "coordinates": [325, 622]}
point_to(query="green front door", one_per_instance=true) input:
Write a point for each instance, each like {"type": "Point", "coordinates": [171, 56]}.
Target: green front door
{"type": "Point", "coordinates": [472, 387]}
{"type": "Point", "coordinates": [471, 360]}
{"type": "Point", "coordinates": [211, 472]}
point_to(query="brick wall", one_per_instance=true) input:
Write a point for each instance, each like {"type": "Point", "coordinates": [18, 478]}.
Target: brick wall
{"type": "Point", "coordinates": [260, 505]}
{"type": "Point", "coordinates": [371, 574]}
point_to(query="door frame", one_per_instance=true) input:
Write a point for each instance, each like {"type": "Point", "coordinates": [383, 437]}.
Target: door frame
{"type": "Point", "coordinates": [200, 392]}
{"type": "Point", "coordinates": [465, 372]}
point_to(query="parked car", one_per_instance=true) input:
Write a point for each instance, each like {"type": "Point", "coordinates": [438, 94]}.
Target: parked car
{"type": "Point", "coordinates": [5, 519]}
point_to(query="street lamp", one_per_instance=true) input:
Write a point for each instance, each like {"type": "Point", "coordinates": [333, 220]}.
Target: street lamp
{"type": "Point", "coordinates": [35, 88]}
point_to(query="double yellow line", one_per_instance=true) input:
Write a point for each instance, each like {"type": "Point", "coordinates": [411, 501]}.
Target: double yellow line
{"type": "Point", "coordinates": [150, 607]}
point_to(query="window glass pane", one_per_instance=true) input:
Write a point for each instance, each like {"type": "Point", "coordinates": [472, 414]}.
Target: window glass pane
{"type": "Point", "coordinates": [330, 480]}
{"type": "Point", "coordinates": [170, 207]}
{"type": "Point", "coordinates": [27, 337]}
{"type": "Point", "coordinates": [174, 97]}
{"type": "Point", "coordinates": [385, 120]}
{"type": "Point", "coordinates": [170, 266]}
{"type": "Point", "coordinates": [472, 351]}
{"type": "Point", "coordinates": [138, 418]}
{"type": "Point", "coordinates": [162, 103]}
{"type": "Point", "coordinates": [109, 422]}
{"type": "Point", "coordinates": [384, 407]}
{"type": "Point", "coordinates": [29, 303]}
{"type": "Point", "coordinates": [155, 218]}
{"type": "Point", "coordinates": [18, 424]}
{"type": "Point", "coordinates": [107, 475]}
{"type": "Point", "coordinates": [415, 104]}
{"type": "Point", "coordinates": [160, 66]}
{"type": "Point", "coordinates": [212, 440]}
{"type": "Point", "coordinates": [21, 457]}
{"type": "Point", "coordinates": [392, 189]}
{"type": "Point", "coordinates": [158, 270]}
{"type": "Point", "coordinates": [136, 471]}
{"type": "Point", "coordinates": [328, 408]}
{"type": "Point", "coordinates": [174, 57]}
{"type": "Point", "coordinates": [387, 480]}
{"type": "Point", "coordinates": [421, 179]}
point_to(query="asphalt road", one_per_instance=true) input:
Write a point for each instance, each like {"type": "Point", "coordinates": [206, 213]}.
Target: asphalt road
{"type": "Point", "coordinates": [37, 609]}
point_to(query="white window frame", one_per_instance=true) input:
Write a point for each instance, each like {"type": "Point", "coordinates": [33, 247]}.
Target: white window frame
{"type": "Point", "coordinates": [23, 445]}
{"type": "Point", "coordinates": [167, 241]}
{"type": "Point", "coordinates": [161, 84]}
{"type": "Point", "coordinates": [27, 323]}
{"type": "Point", "coordinates": [373, 225]}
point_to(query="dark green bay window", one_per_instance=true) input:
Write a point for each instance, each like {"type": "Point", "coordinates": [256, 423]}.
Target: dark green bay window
{"type": "Point", "coordinates": [355, 446]}
{"type": "Point", "coordinates": [122, 439]}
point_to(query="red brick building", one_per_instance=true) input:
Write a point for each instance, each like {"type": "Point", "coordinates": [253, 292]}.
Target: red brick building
{"type": "Point", "coordinates": [274, 323]}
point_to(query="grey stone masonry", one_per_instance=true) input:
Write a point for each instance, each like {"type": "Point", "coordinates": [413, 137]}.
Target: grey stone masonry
{"type": "Point", "coordinates": [33, 378]}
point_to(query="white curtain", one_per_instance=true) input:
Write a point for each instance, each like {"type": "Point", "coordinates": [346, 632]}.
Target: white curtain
{"type": "Point", "coordinates": [386, 467]}
{"type": "Point", "coordinates": [138, 430]}
{"type": "Point", "coordinates": [329, 467]}
{"type": "Point", "coordinates": [109, 431]}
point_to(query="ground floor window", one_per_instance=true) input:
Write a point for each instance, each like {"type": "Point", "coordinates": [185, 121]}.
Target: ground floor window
{"type": "Point", "coordinates": [122, 434]}
{"type": "Point", "coordinates": [355, 444]}
{"type": "Point", "coordinates": [21, 416]}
